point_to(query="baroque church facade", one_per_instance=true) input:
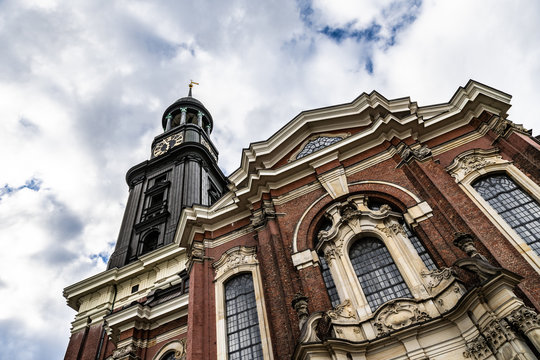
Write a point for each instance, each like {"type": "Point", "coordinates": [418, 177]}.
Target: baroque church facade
{"type": "Point", "coordinates": [376, 229]}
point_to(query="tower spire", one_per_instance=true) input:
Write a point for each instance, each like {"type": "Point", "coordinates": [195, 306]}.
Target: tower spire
{"type": "Point", "coordinates": [191, 83]}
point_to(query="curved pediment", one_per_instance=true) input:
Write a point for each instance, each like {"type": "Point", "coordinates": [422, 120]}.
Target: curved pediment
{"type": "Point", "coordinates": [366, 125]}
{"type": "Point", "coordinates": [368, 118]}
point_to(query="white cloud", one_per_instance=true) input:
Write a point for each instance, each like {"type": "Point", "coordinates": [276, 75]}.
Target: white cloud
{"type": "Point", "coordinates": [84, 84]}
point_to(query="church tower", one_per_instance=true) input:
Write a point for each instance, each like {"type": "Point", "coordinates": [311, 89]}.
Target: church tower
{"type": "Point", "coordinates": [182, 171]}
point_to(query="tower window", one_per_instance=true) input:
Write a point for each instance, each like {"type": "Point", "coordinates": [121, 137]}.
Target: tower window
{"type": "Point", "coordinates": [150, 242]}
{"type": "Point", "coordinates": [514, 205]}
{"type": "Point", "coordinates": [377, 273]}
{"type": "Point", "coordinates": [243, 335]}
{"type": "Point", "coordinates": [160, 178]}
{"type": "Point", "coordinates": [156, 200]}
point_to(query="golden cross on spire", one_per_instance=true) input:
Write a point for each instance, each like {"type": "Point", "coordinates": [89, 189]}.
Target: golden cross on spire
{"type": "Point", "coordinates": [191, 83]}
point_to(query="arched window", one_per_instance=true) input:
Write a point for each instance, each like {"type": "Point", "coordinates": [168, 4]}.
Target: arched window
{"type": "Point", "coordinates": [243, 335]}
{"type": "Point", "coordinates": [514, 205]}
{"type": "Point", "coordinates": [377, 273]}
{"type": "Point", "coordinates": [150, 242]}
{"type": "Point", "coordinates": [168, 356]}
{"type": "Point", "coordinates": [329, 282]}
{"type": "Point", "coordinates": [419, 247]}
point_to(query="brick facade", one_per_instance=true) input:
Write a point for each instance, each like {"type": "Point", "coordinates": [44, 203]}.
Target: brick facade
{"type": "Point", "coordinates": [281, 215]}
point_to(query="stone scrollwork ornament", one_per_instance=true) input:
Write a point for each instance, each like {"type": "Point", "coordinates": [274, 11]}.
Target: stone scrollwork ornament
{"type": "Point", "coordinates": [329, 255]}
{"type": "Point", "coordinates": [344, 310]}
{"type": "Point", "coordinates": [497, 333]}
{"type": "Point", "coordinates": [473, 160]}
{"type": "Point", "coordinates": [419, 153]}
{"type": "Point", "coordinates": [478, 349]}
{"type": "Point", "coordinates": [125, 352]}
{"type": "Point", "coordinates": [398, 229]}
{"type": "Point", "coordinates": [181, 354]}
{"type": "Point", "coordinates": [437, 276]}
{"type": "Point", "coordinates": [398, 314]}
{"type": "Point", "coordinates": [234, 258]}
{"type": "Point", "coordinates": [524, 319]}
{"type": "Point", "coordinates": [503, 125]}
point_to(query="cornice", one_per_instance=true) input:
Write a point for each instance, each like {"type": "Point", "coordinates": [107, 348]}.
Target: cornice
{"type": "Point", "coordinates": [424, 119]}
{"type": "Point", "coordinates": [116, 275]}
{"type": "Point", "coordinates": [403, 119]}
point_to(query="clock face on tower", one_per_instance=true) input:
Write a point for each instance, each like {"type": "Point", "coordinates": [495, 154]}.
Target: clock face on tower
{"type": "Point", "coordinates": [168, 143]}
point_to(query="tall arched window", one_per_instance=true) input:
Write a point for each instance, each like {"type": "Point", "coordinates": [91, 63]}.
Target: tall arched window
{"type": "Point", "coordinates": [243, 335]}
{"type": "Point", "coordinates": [419, 247]}
{"type": "Point", "coordinates": [514, 205]}
{"type": "Point", "coordinates": [377, 273]}
{"type": "Point", "coordinates": [329, 282]}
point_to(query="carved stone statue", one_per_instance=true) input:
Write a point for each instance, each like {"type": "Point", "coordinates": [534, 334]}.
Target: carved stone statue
{"type": "Point", "coordinates": [300, 305]}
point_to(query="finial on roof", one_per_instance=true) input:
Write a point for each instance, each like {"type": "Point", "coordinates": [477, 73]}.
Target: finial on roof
{"type": "Point", "coordinates": [191, 83]}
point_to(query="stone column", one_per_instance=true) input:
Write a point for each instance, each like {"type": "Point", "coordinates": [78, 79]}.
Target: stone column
{"type": "Point", "coordinates": [169, 118]}
{"type": "Point", "coordinates": [183, 116]}
{"type": "Point", "coordinates": [526, 321]}
{"type": "Point", "coordinates": [199, 118]}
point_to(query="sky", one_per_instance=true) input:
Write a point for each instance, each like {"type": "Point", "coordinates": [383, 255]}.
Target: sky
{"type": "Point", "coordinates": [83, 86]}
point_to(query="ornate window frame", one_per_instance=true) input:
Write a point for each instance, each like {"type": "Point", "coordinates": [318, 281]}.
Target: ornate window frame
{"type": "Point", "coordinates": [352, 220]}
{"type": "Point", "coordinates": [472, 164]}
{"type": "Point", "coordinates": [178, 346]}
{"type": "Point", "coordinates": [237, 260]}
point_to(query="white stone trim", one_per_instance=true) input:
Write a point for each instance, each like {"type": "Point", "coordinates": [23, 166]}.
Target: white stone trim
{"type": "Point", "coordinates": [145, 317]}
{"type": "Point", "coordinates": [155, 340]}
{"type": "Point", "coordinates": [228, 237]}
{"type": "Point", "coordinates": [417, 213]}
{"type": "Point", "coordinates": [334, 182]}
{"type": "Point", "coordinates": [304, 259]}
{"type": "Point", "coordinates": [472, 164]}
{"type": "Point", "coordinates": [408, 192]}
{"type": "Point", "coordinates": [234, 261]}
{"type": "Point", "coordinates": [145, 263]}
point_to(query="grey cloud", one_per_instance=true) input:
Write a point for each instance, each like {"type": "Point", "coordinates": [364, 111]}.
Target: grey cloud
{"type": "Point", "coordinates": [55, 255]}
{"type": "Point", "coordinates": [16, 344]}
{"type": "Point", "coordinates": [61, 221]}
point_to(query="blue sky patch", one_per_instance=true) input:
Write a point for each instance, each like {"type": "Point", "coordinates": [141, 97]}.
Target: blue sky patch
{"type": "Point", "coordinates": [101, 256]}
{"type": "Point", "coordinates": [339, 34]}
{"type": "Point", "coordinates": [32, 184]}
{"type": "Point", "coordinates": [369, 65]}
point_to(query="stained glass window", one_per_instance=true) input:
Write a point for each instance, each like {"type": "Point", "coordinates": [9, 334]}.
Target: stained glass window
{"type": "Point", "coordinates": [379, 276]}
{"type": "Point", "coordinates": [243, 335]}
{"type": "Point", "coordinates": [514, 205]}
{"type": "Point", "coordinates": [419, 247]}
{"type": "Point", "coordinates": [329, 282]}
{"type": "Point", "coordinates": [318, 144]}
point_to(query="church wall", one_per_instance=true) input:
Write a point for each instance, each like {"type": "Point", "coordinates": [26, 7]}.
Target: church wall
{"type": "Point", "coordinates": [271, 234]}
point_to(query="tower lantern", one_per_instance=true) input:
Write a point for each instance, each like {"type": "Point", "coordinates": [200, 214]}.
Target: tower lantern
{"type": "Point", "coordinates": [181, 172]}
